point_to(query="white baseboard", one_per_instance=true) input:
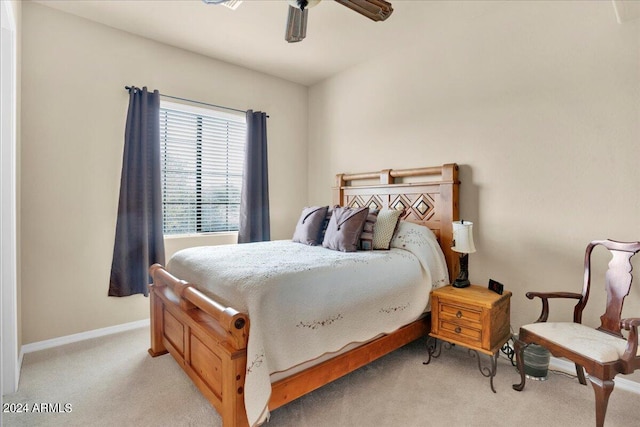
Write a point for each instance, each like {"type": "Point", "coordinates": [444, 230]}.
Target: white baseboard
{"type": "Point", "coordinates": [68, 339]}
{"type": "Point", "coordinates": [570, 368]}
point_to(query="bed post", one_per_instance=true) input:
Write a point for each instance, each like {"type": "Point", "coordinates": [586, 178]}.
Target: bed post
{"type": "Point", "coordinates": [157, 347]}
{"type": "Point", "coordinates": [338, 190]}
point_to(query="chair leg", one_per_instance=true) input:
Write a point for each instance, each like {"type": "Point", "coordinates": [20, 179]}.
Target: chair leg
{"type": "Point", "coordinates": [580, 373]}
{"type": "Point", "coordinates": [518, 348]}
{"type": "Point", "coordinates": [602, 389]}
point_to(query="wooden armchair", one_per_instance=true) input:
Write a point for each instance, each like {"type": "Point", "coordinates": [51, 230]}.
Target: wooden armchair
{"type": "Point", "coordinates": [602, 352]}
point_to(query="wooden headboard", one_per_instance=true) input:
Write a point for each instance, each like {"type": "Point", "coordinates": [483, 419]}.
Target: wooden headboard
{"type": "Point", "coordinates": [432, 202]}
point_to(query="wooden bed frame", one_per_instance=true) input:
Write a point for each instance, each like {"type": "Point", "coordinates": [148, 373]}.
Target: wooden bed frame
{"type": "Point", "coordinates": [209, 340]}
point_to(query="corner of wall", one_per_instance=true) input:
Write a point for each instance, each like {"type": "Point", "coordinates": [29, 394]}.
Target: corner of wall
{"type": "Point", "coordinates": [17, 8]}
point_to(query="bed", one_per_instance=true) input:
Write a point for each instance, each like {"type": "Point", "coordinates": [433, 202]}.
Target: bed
{"type": "Point", "coordinates": [210, 339]}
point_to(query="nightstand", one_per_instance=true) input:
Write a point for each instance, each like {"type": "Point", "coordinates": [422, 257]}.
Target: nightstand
{"type": "Point", "coordinates": [473, 317]}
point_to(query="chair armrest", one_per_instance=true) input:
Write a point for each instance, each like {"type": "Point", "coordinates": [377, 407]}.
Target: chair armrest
{"type": "Point", "coordinates": [630, 357]}
{"type": "Point", "coordinates": [545, 296]}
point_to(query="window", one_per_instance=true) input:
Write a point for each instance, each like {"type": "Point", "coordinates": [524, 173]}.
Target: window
{"type": "Point", "coordinates": [202, 155]}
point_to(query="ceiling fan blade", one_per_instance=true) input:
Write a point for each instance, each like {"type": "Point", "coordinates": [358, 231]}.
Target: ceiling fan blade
{"type": "Point", "coordinates": [376, 10]}
{"type": "Point", "coordinates": [296, 25]}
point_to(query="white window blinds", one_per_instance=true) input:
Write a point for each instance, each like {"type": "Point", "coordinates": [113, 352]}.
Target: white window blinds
{"type": "Point", "coordinates": [202, 155]}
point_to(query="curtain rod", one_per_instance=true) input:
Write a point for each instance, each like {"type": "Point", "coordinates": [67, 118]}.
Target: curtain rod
{"type": "Point", "coordinates": [195, 102]}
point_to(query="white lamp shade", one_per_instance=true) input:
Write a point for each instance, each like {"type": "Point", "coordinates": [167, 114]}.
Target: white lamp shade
{"type": "Point", "coordinates": [463, 237]}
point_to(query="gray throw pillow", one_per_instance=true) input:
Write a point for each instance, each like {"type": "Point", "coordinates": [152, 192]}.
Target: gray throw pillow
{"type": "Point", "coordinates": [344, 229]}
{"type": "Point", "coordinates": [309, 226]}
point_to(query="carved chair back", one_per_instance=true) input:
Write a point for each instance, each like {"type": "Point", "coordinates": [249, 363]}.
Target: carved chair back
{"type": "Point", "coordinates": [617, 284]}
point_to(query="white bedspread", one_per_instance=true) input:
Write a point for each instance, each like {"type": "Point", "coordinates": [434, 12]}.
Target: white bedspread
{"type": "Point", "coordinates": [304, 301]}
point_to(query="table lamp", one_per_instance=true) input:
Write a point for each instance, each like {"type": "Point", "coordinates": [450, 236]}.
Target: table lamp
{"type": "Point", "coordinates": [463, 243]}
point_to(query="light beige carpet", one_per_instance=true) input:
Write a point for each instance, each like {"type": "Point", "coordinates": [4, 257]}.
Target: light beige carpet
{"type": "Point", "coordinates": [112, 381]}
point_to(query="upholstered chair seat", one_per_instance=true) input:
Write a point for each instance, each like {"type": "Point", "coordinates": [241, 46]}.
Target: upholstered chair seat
{"type": "Point", "coordinates": [585, 340]}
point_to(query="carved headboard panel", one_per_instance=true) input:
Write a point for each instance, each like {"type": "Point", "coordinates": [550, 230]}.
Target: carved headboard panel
{"type": "Point", "coordinates": [432, 202]}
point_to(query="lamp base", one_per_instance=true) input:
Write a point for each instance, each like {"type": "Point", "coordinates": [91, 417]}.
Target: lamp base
{"type": "Point", "coordinates": [461, 283]}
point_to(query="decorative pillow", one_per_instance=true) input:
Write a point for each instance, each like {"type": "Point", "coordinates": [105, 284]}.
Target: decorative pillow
{"type": "Point", "coordinates": [309, 225]}
{"type": "Point", "coordinates": [386, 225]}
{"type": "Point", "coordinates": [366, 238]}
{"type": "Point", "coordinates": [344, 229]}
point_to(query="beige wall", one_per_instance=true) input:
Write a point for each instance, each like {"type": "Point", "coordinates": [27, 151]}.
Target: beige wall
{"type": "Point", "coordinates": [74, 109]}
{"type": "Point", "coordinates": [539, 104]}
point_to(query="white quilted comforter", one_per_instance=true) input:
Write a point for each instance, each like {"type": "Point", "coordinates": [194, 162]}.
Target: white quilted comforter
{"type": "Point", "coordinates": [304, 301]}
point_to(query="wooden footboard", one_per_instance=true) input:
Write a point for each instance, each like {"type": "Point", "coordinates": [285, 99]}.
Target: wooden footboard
{"type": "Point", "coordinates": [209, 342]}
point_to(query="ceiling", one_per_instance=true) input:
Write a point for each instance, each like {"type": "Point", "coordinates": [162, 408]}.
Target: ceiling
{"type": "Point", "coordinates": [253, 35]}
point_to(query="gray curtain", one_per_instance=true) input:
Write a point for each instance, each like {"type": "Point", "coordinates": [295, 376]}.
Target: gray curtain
{"type": "Point", "coordinates": [254, 202]}
{"type": "Point", "coordinates": [139, 240]}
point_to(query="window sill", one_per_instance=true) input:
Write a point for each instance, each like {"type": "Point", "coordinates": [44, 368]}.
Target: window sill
{"type": "Point", "coordinates": [200, 235]}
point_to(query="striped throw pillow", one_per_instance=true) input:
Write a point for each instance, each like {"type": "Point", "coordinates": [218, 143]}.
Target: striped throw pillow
{"type": "Point", "coordinates": [366, 238]}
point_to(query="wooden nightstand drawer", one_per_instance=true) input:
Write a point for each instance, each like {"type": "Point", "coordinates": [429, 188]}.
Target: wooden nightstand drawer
{"type": "Point", "coordinates": [460, 312]}
{"type": "Point", "coordinates": [461, 333]}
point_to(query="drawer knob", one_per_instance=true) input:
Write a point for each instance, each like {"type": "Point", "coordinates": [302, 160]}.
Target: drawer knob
{"type": "Point", "coordinates": [458, 330]}
{"type": "Point", "coordinates": [459, 314]}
